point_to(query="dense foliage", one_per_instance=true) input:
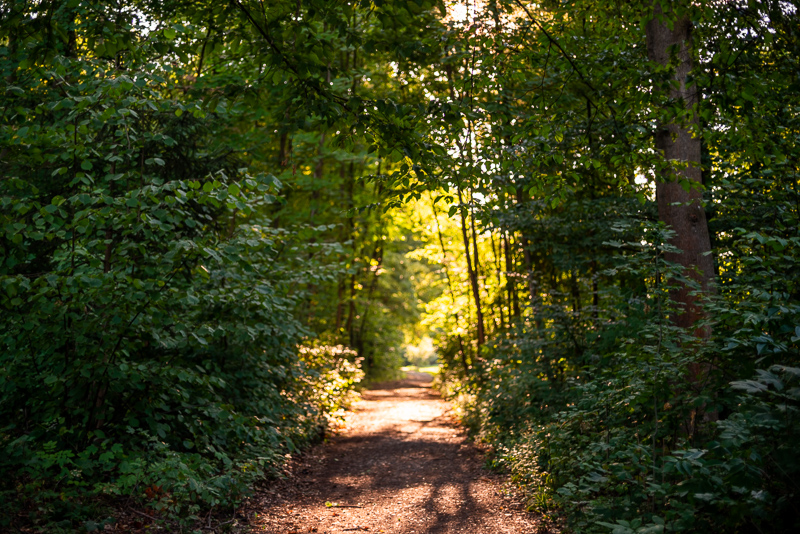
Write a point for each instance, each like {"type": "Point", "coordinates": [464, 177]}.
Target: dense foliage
{"type": "Point", "coordinates": [152, 308]}
{"type": "Point", "coordinates": [213, 213]}
{"type": "Point", "coordinates": [599, 403]}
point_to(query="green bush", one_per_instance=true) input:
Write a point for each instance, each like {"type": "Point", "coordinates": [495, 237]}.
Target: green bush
{"type": "Point", "coordinates": [148, 338]}
{"type": "Point", "coordinates": [610, 431]}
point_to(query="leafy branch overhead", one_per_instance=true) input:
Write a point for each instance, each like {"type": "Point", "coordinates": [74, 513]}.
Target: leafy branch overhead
{"type": "Point", "coordinates": [217, 218]}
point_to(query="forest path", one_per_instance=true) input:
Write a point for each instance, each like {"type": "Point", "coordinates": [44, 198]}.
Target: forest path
{"type": "Point", "coordinates": [401, 466]}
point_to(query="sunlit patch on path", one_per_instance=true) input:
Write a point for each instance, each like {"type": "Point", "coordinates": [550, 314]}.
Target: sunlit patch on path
{"type": "Point", "coordinates": [401, 466]}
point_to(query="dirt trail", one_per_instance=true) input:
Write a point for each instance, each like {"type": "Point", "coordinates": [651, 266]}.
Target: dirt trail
{"type": "Point", "coordinates": [401, 466]}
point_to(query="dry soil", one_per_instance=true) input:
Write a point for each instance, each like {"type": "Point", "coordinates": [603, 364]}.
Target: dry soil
{"type": "Point", "coordinates": [401, 465]}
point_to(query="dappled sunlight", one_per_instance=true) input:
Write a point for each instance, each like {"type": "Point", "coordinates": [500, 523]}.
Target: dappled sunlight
{"type": "Point", "coordinates": [422, 353]}
{"type": "Point", "coordinates": [245, 245]}
{"type": "Point", "coordinates": [402, 465]}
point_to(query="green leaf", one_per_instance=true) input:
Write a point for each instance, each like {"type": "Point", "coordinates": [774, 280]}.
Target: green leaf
{"type": "Point", "coordinates": [749, 386]}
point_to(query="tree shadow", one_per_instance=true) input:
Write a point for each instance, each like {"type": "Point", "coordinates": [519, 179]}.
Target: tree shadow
{"type": "Point", "coordinates": [390, 464]}
{"type": "Point", "coordinates": [405, 460]}
{"type": "Point", "coordinates": [414, 458]}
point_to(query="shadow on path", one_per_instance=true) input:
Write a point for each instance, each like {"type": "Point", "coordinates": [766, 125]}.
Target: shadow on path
{"type": "Point", "coordinates": [401, 466]}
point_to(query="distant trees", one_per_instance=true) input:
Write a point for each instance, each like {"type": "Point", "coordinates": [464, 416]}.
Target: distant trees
{"type": "Point", "coordinates": [191, 191]}
{"type": "Point", "coordinates": [174, 222]}
{"type": "Point", "coordinates": [613, 145]}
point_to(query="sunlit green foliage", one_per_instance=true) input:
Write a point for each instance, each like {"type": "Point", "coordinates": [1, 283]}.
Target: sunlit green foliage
{"type": "Point", "coordinates": [152, 307]}
{"type": "Point", "coordinates": [589, 395]}
{"type": "Point", "coordinates": [211, 213]}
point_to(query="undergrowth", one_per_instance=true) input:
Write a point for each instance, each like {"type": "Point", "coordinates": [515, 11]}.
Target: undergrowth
{"type": "Point", "coordinates": [640, 427]}
{"type": "Point", "coordinates": [191, 460]}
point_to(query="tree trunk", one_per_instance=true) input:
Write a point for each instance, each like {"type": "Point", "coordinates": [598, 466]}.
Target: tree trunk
{"type": "Point", "coordinates": [682, 210]}
{"type": "Point", "coordinates": [595, 294]}
{"type": "Point", "coordinates": [464, 362]}
{"type": "Point", "coordinates": [473, 278]}
{"type": "Point", "coordinates": [498, 271]}
{"type": "Point", "coordinates": [511, 284]}
{"type": "Point", "coordinates": [526, 256]}
{"type": "Point", "coordinates": [377, 256]}
{"type": "Point", "coordinates": [679, 209]}
{"type": "Point", "coordinates": [477, 266]}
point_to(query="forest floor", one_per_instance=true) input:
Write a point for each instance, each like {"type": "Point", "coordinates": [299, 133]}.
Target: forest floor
{"type": "Point", "coordinates": [401, 465]}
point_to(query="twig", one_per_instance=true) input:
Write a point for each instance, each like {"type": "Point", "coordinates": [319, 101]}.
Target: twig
{"type": "Point", "coordinates": [566, 56]}
{"type": "Point", "coordinates": [145, 515]}
{"type": "Point", "coordinates": [219, 525]}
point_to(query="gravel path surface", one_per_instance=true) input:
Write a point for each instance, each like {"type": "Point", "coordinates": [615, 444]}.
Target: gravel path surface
{"type": "Point", "coordinates": [401, 466]}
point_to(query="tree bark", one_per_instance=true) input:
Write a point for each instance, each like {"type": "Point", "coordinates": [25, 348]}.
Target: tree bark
{"type": "Point", "coordinates": [679, 209]}
{"type": "Point", "coordinates": [377, 256]}
{"type": "Point", "coordinates": [498, 271]}
{"type": "Point", "coordinates": [473, 278]}
{"type": "Point", "coordinates": [463, 352]}
{"type": "Point", "coordinates": [511, 284]}
{"type": "Point", "coordinates": [526, 255]}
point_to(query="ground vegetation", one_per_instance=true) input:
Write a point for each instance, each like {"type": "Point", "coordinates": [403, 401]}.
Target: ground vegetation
{"type": "Point", "coordinates": [217, 216]}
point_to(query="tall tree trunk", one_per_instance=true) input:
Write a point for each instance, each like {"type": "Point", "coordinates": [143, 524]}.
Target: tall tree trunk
{"type": "Point", "coordinates": [351, 311]}
{"type": "Point", "coordinates": [476, 261]}
{"type": "Point", "coordinates": [682, 210]}
{"type": "Point", "coordinates": [498, 270]}
{"type": "Point", "coordinates": [377, 256]}
{"type": "Point", "coordinates": [511, 284]}
{"type": "Point", "coordinates": [464, 362]}
{"type": "Point", "coordinates": [576, 291]}
{"type": "Point", "coordinates": [595, 293]}
{"type": "Point", "coordinates": [348, 228]}
{"type": "Point", "coordinates": [526, 255]}
{"type": "Point", "coordinates": [473, 278]}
